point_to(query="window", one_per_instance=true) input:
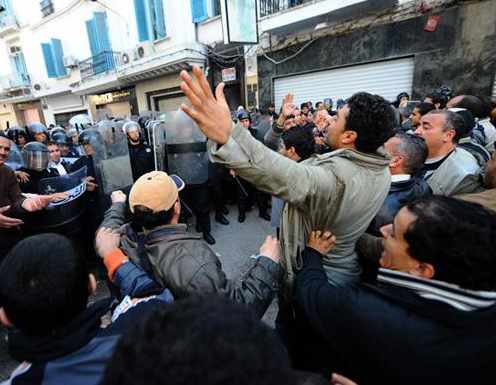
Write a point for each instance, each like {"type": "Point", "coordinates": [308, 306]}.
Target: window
{"type": "Point", "coordinates": [7, 8]}
{"type": "Point", "coordinates": [54, 58]}
{"type": "Point", "coordinates": [204, 9]}
{"type": "Point", "coordinates": [46, 7]}
{"type": "Point", "coordinates": [18, 65]}
{"type": "Point", "coordinates": [150, 19]}
{"type": "Point", "coordinates": [99, 40]}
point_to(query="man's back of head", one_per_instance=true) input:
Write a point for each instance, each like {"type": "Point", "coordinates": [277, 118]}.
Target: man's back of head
{"type": "Point", "coordinates": [200, 340]}
{"type": "Point", "coordinates": [408, 153]}
{"type": "Point", "coordinates": [372, 118]}
{"type": "Point", "coordinates": [44, 285]}
{"type": "Point", "coordinates": [475, 105]}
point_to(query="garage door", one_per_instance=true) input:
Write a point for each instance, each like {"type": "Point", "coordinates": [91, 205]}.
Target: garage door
{"type": "Point", "coordinates": [169, 103]}
{"type": "Point", "coordinates": [386, 78]}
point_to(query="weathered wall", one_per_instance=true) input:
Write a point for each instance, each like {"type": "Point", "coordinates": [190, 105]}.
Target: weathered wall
{"type": "Point", "coordinates": [461, 53]}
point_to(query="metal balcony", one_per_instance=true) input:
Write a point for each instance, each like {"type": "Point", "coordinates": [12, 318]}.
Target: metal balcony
{"type": "Point", "coordinates": [270, 7]}
{"type": "Point", "coordinates": [13, 83]}
{"type": "Point", "coordinates": [8, 25]}
{"type": "Point", "coordinates": [99, 65]}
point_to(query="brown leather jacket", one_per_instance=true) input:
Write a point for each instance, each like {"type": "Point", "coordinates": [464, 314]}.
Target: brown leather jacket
{"type": "Point", "coordinates": [185, 264]}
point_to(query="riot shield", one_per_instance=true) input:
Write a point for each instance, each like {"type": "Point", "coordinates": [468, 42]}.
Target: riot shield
{"type": "Point", "coordinates": [80, 121]}
{"type": "Point", "coordinates": [15, 160]}
{"type": "Point", "coordinates": [158, 140]}
{"type": "Point", "coordinates": [115, 166]}
{"type": "Point", "coordinates": [70, 209]}
{"type": "Point", "coordinates": [186, 149]}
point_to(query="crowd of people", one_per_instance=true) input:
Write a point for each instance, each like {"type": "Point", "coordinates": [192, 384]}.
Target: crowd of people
{"type": "Point", "coordinates": [381, 261]}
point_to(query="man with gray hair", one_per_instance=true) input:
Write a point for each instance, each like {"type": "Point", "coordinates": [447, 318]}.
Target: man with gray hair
{"type": "Point", "coordinates": [408, 154]}
{"type": "Point", "coordinates": [449, 170]}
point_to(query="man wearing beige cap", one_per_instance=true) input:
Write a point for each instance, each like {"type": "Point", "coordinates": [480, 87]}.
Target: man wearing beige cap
{"type": "Point", "coordinates": [178, 259]}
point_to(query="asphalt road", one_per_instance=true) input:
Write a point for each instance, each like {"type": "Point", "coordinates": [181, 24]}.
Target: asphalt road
{"type": "Point", "coordinates": [235, 243]}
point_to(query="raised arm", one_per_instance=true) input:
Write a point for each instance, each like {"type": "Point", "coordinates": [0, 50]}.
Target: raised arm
{"type": "Point", "coordinates": [237, 149]}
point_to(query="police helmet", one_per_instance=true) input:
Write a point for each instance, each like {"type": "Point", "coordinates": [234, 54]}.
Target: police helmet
{"type": "Point", "coordinates": [35, 156]}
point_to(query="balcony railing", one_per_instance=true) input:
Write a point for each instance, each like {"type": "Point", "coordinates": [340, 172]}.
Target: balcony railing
{"type": "Point", "coordinates": [100, 64]}
{"type": "Point", "coordinates": [9, 83]}
{"type": "Point", "coordinates": [269, 7]}
{"type": "Point", "coordinates": [8, 24]}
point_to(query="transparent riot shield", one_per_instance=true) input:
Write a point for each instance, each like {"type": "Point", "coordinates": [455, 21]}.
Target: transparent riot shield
{"type": "Point", "coordinates": [186, 149]}
{"type": "Point", "coordinates": [15, 160]}
{"type": "Point", "coordinates": [80, 121]}
{"type": "Point", "coordinates": [158, 140]}
{"type": "Point", "coordinates": [72, 207]}
{"type": "Point", "coordinates": [114, 165]}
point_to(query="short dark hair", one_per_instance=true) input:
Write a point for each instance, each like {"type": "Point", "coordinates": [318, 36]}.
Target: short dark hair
{"type": "Point", "coordinates": [475, 105]}
{"type": "Point", "coordinates": [424, 107]}
{"type": "Point", "coordinates": [145, 218]}
{"type": "Point", "coordinates": [415, 151]}
{"type": "Point", "coordinates": [199, 340]}
{"type": "Point", "coordinates": [438, 97]}
{"type": "Point", "coordinates": [318, 104]}
{"type": "Point", "coordinates": [372, 118]}
{"type": "Point", "coordinates": [303, 105]}
{"type": "Point", "coordinates": [453, 121]}
{"type": "Point", "coordinates": [51, 143]}
{"type": "Point", "coordinates": [301, 139]}
{"type": "Point", "coordinates": [43, 276]}
{"type": "Point", "coordinates": [458, 238]}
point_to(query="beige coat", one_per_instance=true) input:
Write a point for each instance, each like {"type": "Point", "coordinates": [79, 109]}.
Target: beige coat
{"type": "Point", "coordinates": [458, 174]}
{"type": "Point", "coordinates": [340, 191]}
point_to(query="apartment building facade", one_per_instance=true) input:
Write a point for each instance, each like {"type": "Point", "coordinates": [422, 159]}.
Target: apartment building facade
{"type": "Point", "coordinates": [106, 57]}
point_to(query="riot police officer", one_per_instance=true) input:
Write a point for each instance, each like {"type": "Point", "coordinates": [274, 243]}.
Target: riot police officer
{"type": "Point", "coordinates": [38, 132]}
{"type": "Point", "coordinates": [140, 152]}
{"type": "Point", "coordinates": [247, 193]}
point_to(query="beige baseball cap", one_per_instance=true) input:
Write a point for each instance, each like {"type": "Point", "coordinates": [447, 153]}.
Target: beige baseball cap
{"type": "Point", "coordinates": [155, 190]}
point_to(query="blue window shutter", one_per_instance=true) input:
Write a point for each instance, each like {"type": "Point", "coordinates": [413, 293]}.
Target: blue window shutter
{"type": "Point", "coordinates": [92, 37]}
{"type": "Point", "coordinates": [58, 56]}
{"type": "Point", "coordinates": [49, 62]}
{"type": "Point", "coordinates": [159, 19]}
{"type": "Point", "coordinates": [102, 31]}
{"type": "Point", "coordinates": [199, 10]}
{"type": "Point", "coordinates": [141, 20]}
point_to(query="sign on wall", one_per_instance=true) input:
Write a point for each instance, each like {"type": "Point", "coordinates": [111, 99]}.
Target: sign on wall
{"type": "Point", "coordinates": [229, 74]}
{"type": "Point", "coordinates": [239, 21]}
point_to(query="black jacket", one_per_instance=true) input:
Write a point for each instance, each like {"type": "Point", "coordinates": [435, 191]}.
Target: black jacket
{"type": "Point", "coordinates": [387, 334]}
{"type": "Point", "coordinates": [400, 194]}
{"type": "Point", "coordinates": [141, 157]}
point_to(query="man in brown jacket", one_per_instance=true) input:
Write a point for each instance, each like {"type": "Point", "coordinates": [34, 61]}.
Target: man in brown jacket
{"type": "Point", "coordinates": [13, 205]}
{"type": "Point", "coordinates": [179, 260]}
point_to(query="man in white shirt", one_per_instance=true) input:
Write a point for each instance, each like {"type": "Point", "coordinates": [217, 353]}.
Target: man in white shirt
{"type": "Point", "coordinates": [55, 166]}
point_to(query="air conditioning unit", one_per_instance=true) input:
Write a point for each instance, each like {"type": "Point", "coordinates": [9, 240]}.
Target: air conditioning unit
{"type": "Point", "coordinates": [70, 62]}
{"type": "Point", "coordinates": [128, 56]}
{"type": "Point", "coordinates": [40, 86]}
{"type": "Point", "coordinates": [13, 50]}
{"type": "Point", "coordinates": [144, 49]}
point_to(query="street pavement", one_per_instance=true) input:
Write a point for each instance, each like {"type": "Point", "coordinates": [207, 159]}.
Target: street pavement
{"type": "Point", "coordinates": [235, 244]}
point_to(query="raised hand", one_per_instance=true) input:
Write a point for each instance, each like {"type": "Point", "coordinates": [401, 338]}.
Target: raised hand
{"type": "Point", "coordinates": [288, 106]}
{"type": "Point", "coordinates": [210, 113]}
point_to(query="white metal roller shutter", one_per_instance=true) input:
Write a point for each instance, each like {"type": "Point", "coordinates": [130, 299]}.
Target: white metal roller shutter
{"type": "Point", "coordinates": [386, 78]}
{"type": "Point", "coordinates": [494, 87]}
{"type": "Point", "coordinates": [171, 104]}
